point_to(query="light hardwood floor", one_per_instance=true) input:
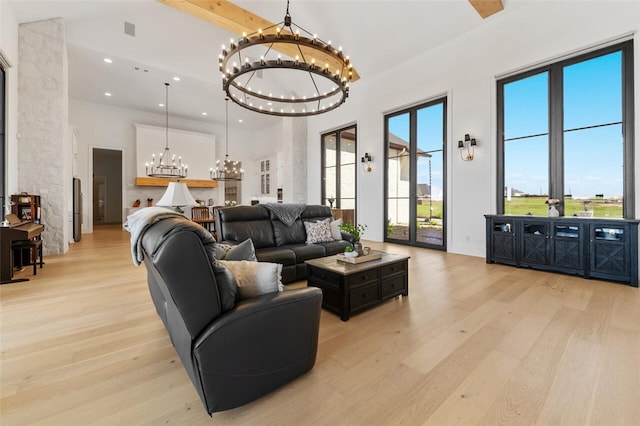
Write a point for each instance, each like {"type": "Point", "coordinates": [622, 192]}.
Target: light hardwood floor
{"type": "Point", "coordinates": [471, 344]}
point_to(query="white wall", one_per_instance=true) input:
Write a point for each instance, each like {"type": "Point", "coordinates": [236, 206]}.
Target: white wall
{"type": "Point", "coordinates": [464, 70]}
{"type": "Point", "coordinates": [102, 126]}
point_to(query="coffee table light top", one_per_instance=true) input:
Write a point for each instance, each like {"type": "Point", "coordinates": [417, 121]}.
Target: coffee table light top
{"type": "Point", "coordinates": [331, 263]}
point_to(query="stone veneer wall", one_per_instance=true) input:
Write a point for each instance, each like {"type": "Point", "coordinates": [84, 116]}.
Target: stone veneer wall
{"type": "Point", "coordinates": [294, 160]}
{"type": "Point", "coordinates": [44, 152]}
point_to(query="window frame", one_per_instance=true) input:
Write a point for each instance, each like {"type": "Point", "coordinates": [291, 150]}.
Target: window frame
{"type": "Point", "coordinates": [323, 167]}
{"type": "Point", "coordinates": [556, 123]}
{"type": "Point", "coordinates": [413, 172]}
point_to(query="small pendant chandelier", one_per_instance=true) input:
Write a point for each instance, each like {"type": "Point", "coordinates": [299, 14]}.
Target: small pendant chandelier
{"type": "Point", "coordinates": [228, 170]}
{"type": "Point", "coordinates": [166, 165]}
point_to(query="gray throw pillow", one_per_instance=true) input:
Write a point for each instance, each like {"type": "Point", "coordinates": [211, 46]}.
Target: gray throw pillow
{"type": "Point", "coordinates": [242, 251]}
{"type": "Point", "coordinates": [255, 278]}
{"type": "Point", "coordinates": [227, 286]}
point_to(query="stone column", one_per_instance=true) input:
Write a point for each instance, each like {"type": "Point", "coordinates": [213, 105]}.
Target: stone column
{"type": "Point", "coordinates": [293, 161]}
{"type": "Point", "coordinates": [44, 152]}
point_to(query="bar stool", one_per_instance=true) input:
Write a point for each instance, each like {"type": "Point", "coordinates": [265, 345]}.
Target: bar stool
{"type": "Point", "coordinates": [35, 250]}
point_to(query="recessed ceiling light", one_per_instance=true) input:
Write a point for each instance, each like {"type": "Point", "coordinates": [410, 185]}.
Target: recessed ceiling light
{"type": "Point", "coordinates": [176, 78]}
{"type": "Point", "coordinates": [161, 105]}
{"type": "Point", "coordinates": [240, 120]}
{"type": "Point", "coordinates": [108, 60]}
{"type": "Point", "coordinates": [107, 94]}
{"type": "Point", "coordinates": [204, 113]}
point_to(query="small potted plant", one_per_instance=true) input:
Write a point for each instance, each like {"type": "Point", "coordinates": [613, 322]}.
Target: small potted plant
{"type": "Point", "coordinates": [349, 252]}
{"type": "Point", "coordinates": [356, 231]}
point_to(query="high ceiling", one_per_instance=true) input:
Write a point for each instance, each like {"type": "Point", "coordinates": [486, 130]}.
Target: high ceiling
{"type": "Point", "coordinates": [169, 43]}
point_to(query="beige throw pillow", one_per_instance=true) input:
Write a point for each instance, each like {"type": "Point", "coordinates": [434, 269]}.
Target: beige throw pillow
{"type": "Point", "coordinates": [335, 229]}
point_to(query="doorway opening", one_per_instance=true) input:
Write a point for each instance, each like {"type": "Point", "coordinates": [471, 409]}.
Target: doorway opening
{"type": "Point", "coordinates": [107, 186]}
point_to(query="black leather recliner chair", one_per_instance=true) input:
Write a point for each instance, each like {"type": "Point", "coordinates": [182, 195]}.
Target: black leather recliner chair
{"type": "Point", "coordinates": [231, 357]}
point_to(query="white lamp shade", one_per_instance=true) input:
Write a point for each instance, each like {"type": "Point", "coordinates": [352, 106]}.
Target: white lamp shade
{"type": "Point", "coordinates": [177, 195]}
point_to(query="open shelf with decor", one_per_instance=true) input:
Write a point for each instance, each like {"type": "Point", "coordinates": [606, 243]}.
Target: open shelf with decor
{"type": "Point", "coordinates": [26, 207]}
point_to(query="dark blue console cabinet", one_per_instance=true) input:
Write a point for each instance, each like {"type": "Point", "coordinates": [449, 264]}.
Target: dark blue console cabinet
{"type": "Point", "coordinates": [606, 249]}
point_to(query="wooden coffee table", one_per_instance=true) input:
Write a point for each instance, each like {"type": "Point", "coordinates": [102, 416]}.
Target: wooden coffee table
{"type": "Point", "coordinates": [350, 288]}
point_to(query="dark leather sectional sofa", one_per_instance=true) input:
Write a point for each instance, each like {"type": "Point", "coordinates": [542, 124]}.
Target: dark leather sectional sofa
{"type": "Point", "coordinates": [273, 240]}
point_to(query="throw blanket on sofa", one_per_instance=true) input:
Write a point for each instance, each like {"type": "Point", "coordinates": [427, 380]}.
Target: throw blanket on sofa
{"type": "Point", "coordinates": [287, 213]}
{"type": "Point", "coordinates": [139, 221]}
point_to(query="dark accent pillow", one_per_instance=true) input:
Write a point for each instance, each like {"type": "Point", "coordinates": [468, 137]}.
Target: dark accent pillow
{"type": "Point", "coordinates": [255, 278]}
{"type": "Point", "coordinates": [242, 251]}
{"type": "Point", "coordinates": [227, 286]}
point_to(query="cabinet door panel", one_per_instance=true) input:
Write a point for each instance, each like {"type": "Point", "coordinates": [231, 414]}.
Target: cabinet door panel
{"type": "Point", "coordinates": [568, 253]}
{"type": "Point", "coordinates": [609, 257]}
{"type": "Point", "coordinates": [568, 240]}
{"type": "Point", "coordinates": [535, 243]}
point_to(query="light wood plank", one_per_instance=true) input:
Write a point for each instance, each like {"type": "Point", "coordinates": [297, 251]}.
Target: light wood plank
{"type": "Point", "coordinates": [486, 8]}
{"type": "Point", "coordinates": [615, 400]}
{"type": "Point", "coordinates": [476, 393]}
{"type": "Point", "coordinates": [573, 386]}
{"type": "Point", "coordinates": [524, 395]}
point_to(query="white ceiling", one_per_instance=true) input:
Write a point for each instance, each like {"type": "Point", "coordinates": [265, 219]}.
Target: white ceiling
{"type": "Point", "coordinates": [376, 34]}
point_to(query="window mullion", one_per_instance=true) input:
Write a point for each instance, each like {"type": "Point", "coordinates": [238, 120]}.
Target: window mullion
{"type": "Point", "coordinates": [413, 172]}
{"type": "Point", "coordinates": [500, 151]}
{"type": "Point", "coordinates": [629, 210]}
{"type": "Point", "coordinates": [556, 135]}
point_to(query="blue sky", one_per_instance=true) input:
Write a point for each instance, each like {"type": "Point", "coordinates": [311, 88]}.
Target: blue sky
{"type": "Point", "coordinates": [430, 134]}
{"type": "Point", "coordinates": [593, 157]}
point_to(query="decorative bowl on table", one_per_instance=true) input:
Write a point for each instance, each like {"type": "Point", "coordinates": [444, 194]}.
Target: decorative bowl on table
{"type": "Point", "coordinates": [351, 254]}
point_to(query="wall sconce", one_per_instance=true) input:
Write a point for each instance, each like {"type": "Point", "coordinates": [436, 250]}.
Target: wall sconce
{"type": "Point", "coordinates": [366, 162]}
{"type": "Point", "coordinates": [470, 145]}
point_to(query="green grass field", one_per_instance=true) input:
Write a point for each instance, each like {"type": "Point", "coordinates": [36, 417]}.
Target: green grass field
{"type": "Point", "coordinates": [423, 210]}
{"type": "Point", "coordinates": [537, 207]}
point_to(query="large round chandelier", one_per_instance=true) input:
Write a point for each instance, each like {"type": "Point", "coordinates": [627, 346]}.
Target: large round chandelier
{"type": "Point", "coordinates": [166, 165]}
{"type": "Point", "coordinates": [284, 70]}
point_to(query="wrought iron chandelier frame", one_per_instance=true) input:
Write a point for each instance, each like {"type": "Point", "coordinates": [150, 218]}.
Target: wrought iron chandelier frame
{"type": "Point", "coordinates": [278, 104]}
{"type": "Point", "coordinates": [231, 170]}
{"type": "Point", "coordinates": [166, 166]}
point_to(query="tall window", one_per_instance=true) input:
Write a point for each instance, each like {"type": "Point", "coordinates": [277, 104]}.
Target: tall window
{"type": "Point", "coordinates": [3, 142]}
{"type": "Point", "coordinates": [415, 171]}
{"type": "Point", "coordinates": [339, 168]}
{"type": "Point", "coordinates": [566, 133]}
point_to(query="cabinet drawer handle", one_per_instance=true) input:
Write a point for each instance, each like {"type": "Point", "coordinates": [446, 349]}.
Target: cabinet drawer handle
{"type": "Point", "coordinates": [364, 277]}
{"type": "Point", "coordinates": [392, 269]}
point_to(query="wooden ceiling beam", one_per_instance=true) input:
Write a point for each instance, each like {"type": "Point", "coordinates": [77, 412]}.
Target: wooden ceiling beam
{"type": "Point", "coordinates": [486, 8]}
{"type": "Point", "coordinates": [238, 20]}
